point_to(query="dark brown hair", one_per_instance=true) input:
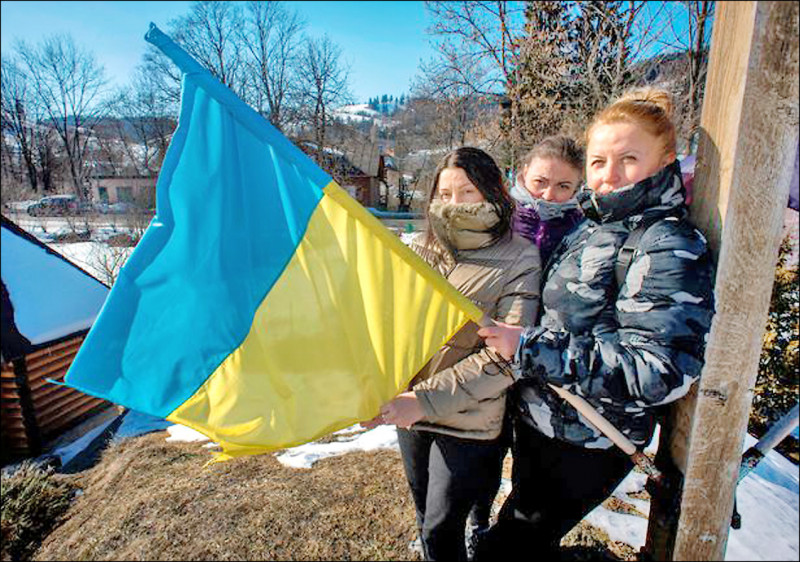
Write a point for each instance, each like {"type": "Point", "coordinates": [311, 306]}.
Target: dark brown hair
{"type": "Point", "coordinates": [558, 147]}
{"type": "Point", "coordinates": [483, 172]}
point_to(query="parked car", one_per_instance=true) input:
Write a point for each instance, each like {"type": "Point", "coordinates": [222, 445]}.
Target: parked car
{"type": "Point", "coordinates": [55, 205]}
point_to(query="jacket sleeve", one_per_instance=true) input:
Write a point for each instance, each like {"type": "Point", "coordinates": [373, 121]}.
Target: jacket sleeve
{"type": "Point", "coordinates": [484, 374]}
{"type": "Point", "coordinates": [645, 345]}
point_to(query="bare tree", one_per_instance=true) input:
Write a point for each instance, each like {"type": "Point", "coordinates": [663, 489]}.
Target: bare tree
{"type": "Point", "coordinates": [107, 260]}
{"type": "Point", "coordinates": [693, 39]}
{"type": "Point", "coordinates": [144, 122]}
{"type": "Point", "coordinates": [271, 35]}
{"type": "Point", "coordinates": [322, 83]}
{"type": "Point", "coordinates": [478, 49]}
{"type": "Point", "coordinates": [16, 117]}
{"type": "Point", "coordinates": [455, 101]}
{"type": "Point", "coordinates": [68, 84]}
{"type": "Point", "coordinates": [607, 38]}
{"type": "Point", "coordinates": [210, 32]}
{"type": "Point", "coordinates": [479, 37]}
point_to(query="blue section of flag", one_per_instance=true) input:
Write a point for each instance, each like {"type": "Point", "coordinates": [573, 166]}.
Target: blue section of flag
{"type": "Point", "coordinates": [233, 200]}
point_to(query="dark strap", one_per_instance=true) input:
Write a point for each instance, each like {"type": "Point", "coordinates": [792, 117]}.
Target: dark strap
{"type": "Point", "coordinates": [629, 247]}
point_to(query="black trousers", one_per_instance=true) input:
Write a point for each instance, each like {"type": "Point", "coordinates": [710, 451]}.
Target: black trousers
{"type": "Point", "coordinates": [555, 485]}
{"type": "Point", "coordinates": [447, 476]}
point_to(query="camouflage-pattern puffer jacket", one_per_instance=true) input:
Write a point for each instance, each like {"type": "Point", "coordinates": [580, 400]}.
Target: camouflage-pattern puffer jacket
{"type": "Point", "coordinates": [624, 350]}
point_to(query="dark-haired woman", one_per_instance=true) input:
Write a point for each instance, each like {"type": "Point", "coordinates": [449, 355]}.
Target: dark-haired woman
{"type": "Point", "coordinates": [450, 420]}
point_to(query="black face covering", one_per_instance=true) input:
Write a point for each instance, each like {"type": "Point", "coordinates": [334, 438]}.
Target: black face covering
{"type": "Point", "coordinates": [662, 190]}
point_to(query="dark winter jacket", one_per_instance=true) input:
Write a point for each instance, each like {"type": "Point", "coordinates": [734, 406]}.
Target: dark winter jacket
{"type": "Point", "coordinates": [545, 234]}
{"type": "Point", "coordinates": [625, 350]}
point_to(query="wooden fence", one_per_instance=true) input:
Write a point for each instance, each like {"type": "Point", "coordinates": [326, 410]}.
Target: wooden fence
{"type": "Point", "coordinates": [35, 411]}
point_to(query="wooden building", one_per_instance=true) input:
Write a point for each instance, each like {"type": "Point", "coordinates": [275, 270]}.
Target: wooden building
{"type": "Point", "coordinates": [48, 306]}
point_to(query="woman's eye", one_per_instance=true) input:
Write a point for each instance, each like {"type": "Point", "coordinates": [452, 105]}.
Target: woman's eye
{"type": "Point", "coordinates": [629, 159]}
{"type": "Point", "coordinates": [596, 163]}
{"type": "Point", "coordinates": [565, 186]}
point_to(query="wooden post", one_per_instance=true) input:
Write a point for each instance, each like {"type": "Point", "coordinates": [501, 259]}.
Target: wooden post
{"type": "Point", "coordinates": [749, 138]}
{"type": "Point", "coordinates": [32, 430]}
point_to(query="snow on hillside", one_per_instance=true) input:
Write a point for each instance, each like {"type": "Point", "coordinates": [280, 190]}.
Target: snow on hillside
{"type": "Point", "coordinates": [356, 113]}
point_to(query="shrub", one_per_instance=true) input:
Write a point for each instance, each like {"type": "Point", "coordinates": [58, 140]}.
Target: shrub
{"type": "Point", "coordinates": [33, 502]}
{"type": "Point", "coordinates": [777, 383]}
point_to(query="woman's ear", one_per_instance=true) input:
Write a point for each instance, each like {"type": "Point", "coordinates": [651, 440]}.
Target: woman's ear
{"type": "Point", "coordinates": [668, 158]}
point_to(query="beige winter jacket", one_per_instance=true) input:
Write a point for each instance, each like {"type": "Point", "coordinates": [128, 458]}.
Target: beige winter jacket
{"type": "Point", "coordinates": [462, 388]}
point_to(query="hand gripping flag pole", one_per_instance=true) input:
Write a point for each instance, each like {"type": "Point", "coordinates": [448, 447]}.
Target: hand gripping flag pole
{"type": "Point", "coordinates": [616, 436]}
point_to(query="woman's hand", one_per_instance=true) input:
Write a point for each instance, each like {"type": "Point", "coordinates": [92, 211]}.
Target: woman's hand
{"type": "Point", "coordinates": [403, 411]}
{"type": "Point", "coordinates": [374, 422]}
{"type": "Point", "coordinates": [503, 338]}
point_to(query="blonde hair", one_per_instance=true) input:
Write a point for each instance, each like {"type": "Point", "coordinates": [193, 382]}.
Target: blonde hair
{"type": "Point", "coordinates": [650, 108]}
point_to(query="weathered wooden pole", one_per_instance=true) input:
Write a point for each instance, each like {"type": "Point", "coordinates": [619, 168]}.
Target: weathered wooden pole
{"type": "Point", "coordinates": [749, 138]}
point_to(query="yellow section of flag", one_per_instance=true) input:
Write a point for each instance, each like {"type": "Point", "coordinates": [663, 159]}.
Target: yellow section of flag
{"type": "Point", "coordinates": [352, 318]}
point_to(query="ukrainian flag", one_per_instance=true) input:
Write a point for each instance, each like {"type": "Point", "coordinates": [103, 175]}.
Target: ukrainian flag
{"type": "Point", "coordinates": [263, 306]}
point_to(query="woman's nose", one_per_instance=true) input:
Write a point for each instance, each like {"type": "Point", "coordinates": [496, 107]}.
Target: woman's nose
{"type": "Point", "coordinates": [611, 175]}
{"type": "Point", "coordinates": [549, 193]}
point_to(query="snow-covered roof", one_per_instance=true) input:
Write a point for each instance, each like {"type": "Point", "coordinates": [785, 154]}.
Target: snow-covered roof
{"type": "Point", "coordinates": [45, 296]}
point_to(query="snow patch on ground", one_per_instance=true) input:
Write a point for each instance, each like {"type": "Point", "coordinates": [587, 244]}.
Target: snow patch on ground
{"type": "Point", "coordinates": [304, 456]}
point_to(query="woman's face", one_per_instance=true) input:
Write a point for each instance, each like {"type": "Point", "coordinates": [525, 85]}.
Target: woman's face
{"type": "Point", "coordinates": [551, 179]}
{"type": "Point", "coordinates": [619, 154]}
{"type": "Point", "coordinates": [455, 187]}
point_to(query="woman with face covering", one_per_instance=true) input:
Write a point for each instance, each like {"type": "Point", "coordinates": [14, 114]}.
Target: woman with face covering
{"type": "Point", "coordinates": [544, 193]}
{"type": "Point", "coordinates": [450, 420]}
{"type": "Point", "coordinates": [625, 348]}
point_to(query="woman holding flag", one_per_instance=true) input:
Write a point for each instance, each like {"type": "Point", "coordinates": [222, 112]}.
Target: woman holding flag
{"type": "Point", "coordinates": [450, 420]}
{"type": "Point", "coordinates": [627, 334]}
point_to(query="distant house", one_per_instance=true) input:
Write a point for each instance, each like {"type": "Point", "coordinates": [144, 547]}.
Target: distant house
{"type": "Point", "coordinates": [48, 306]}
{"type": "Point", "coordinates": [363, 187]}
{"type": "Point", "coordinates": [112, 189]}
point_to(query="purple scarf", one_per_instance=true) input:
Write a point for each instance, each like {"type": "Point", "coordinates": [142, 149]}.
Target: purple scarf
{"type": "Point", "coordinates": [545, 234]}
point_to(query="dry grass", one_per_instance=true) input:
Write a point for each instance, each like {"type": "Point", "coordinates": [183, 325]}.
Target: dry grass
{"type": "Point", "coordinates": [147, 499]}
{"type": "Point", "coordinates": [152, 500]}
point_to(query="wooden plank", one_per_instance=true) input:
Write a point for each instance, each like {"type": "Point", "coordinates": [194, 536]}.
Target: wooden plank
{"type": "Point", "coordinates": [61, 414]}
{"type": "Point", "coordinates": [41, 383]}
{"type": "Point", "coordinates": [78, 411]}
{"type": "Point", "coordinates": [55, 348]}
{"type": "Point", "coordinates": [12, 408]}
{"type": "Point", "coordinates": [53, 357]}
{"type": "Point", "coordinates": [62, 407]}
{"type": "Point", "coordinates": [45, 397]}
{"type": "Point", "coordinates": [51, 369]}
{"type": "Point", "coordinates": [748, 142]}
{"type": "Point", "coordinates": [15, 433]}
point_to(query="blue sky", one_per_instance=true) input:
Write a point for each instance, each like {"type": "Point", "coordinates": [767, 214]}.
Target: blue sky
{"type": "Point", "coordinates": [382, 42]}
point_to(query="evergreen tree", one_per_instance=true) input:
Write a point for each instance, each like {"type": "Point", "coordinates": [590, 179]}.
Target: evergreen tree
{"type": "Point", "coordinates": [539, 90]}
